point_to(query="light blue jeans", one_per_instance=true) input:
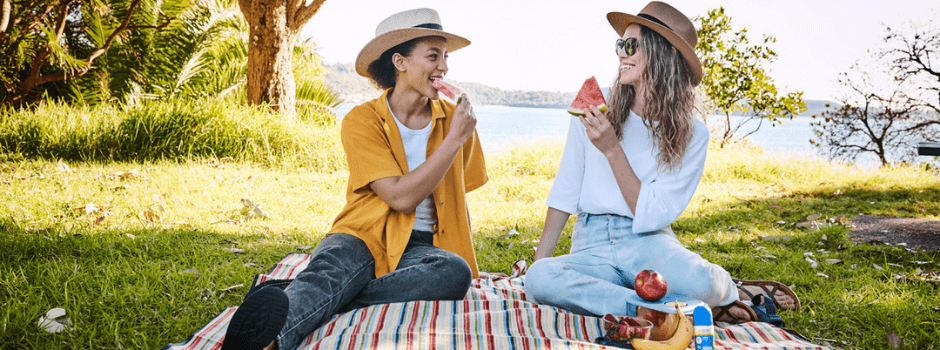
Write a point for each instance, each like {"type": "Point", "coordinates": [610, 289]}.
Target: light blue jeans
{"type": "Point", "coordinates": [341, 277]}
{"type": "Point", "coordinates": [606, 255]}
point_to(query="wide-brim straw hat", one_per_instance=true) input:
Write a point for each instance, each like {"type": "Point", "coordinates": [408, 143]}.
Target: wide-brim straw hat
{"type": "Point", "coordinates": [668, 22]}
{"type": "Point", "coordinates": [401, 27]}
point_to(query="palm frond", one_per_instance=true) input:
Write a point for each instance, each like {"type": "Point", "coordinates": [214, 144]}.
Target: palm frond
{"type": "Point", "coordinates": [58, 55]}
{"type": "Point", "coordinates": [317, 93]}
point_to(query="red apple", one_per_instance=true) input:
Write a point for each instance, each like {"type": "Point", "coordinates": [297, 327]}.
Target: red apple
{"type": "Point", "coordinates": [650, 285]}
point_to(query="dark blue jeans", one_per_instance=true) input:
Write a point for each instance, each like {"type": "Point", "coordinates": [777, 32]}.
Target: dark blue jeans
{"type": "Point", "coordinates": [341, 277]}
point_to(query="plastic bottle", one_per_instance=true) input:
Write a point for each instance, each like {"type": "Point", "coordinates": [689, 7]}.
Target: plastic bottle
{"type": "Point", "coordinates": [704, 328]}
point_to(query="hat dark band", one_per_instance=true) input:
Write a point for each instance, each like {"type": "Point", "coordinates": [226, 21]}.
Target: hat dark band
{"type": "Point", "coordinates": [430, 26]}
{"type": "Point", "coordinates": [654, 19]}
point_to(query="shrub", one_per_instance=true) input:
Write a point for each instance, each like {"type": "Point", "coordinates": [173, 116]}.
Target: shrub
{"type": "Point", "coordinates": [175, 129]}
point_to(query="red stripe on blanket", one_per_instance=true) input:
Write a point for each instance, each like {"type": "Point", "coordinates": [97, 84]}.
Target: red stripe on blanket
{"type": "Point", "coordinates": [538, 326]}
{"type": "Point", "coordinates": [567, 326]}
{"type": "Point", "coordinates": [468, 341]}
{"type": "Point", "coordinates": [225, 317]}
{"type": "Point", "coordinates": [763, 336]}
{"type": "Point", "coordinates": [358, 327]}
{"type": "Point", "coordinates": [379, 326]}
{"type": "Point", "coordinates": [490, 341]}
{"type": "Point", "coordinates": [433, 325]}
{"type": "Point", "coordinates": [519, 326]}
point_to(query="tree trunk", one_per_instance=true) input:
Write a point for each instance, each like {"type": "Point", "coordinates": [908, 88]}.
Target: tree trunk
{"type": "Point", "coordinates": [5, 15]}
{"type": "Point", "coordinates": [275, 27]}
{"type": "Point", "coordinates": [271, 41]}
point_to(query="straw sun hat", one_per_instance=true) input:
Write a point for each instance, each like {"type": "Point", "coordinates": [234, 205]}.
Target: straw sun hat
{"type": "Point", "coordinates": [401, 27]}
{"type": "Point", "coordinates": [668, 22]}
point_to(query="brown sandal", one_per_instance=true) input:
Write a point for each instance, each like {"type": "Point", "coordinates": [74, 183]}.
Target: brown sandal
{"type": "Point", "coordinates": [723, 313]}
{"type": "Point", "coordinates": [769, 288]}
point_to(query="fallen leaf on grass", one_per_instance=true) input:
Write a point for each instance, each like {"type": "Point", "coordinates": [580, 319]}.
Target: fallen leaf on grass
{"type": "Point", "coordinates": [306, 247]}
{"type": "Point", "coordinates": [252, 210]}
{"type": "Point", "coordinates": [89, 208]}
{"type": "Point", "coordinates": [923, 276]}
{"type": "Point", "coordinates": [55, 321]}
{"type": "Point", "coordinates": [894, 340]}
{"type": "Point", "coordinates": [833, 261]}
{"type": "Point", "coordinates": [236, 250]}
{"type": "Point", "coordinates": [124, 175]}
{"type": "Point", "coordinates": [64, 167]}
{"type": "Point", "coordinates": [150, 215]}
{"type": "Point", "coordinates": [812, 263]}
{"type": "Point", "coordinates": [878, 267]}
{"type": "Point", "coordinates": [820, 274]}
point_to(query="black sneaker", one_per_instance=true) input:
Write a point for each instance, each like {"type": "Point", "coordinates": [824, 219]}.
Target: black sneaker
{"type": "Point", "coordinates": [258, 320]}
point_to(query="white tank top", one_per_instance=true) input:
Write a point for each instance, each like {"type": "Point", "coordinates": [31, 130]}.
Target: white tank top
{"type": "Point", "coordinates": [416, 148]}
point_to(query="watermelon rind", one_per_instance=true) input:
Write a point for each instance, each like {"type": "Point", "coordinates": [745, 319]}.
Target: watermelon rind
{"type": "Point", "coordinates": [580, 112]}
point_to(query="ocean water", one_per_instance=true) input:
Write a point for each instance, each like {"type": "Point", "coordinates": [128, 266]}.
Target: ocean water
{"type": "Point", "coordinates": [501, 127]}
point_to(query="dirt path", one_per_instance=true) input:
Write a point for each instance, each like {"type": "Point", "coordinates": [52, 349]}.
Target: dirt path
{"type": "Point", "coordinates": [915, 233]}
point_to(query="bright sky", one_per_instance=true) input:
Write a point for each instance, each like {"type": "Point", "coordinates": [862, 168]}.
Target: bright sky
{"type": "Point", "coordinates": [555, 45]}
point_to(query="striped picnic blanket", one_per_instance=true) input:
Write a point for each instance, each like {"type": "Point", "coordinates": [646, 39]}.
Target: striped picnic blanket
{"type": "Point", "coordinates": [494, 315]}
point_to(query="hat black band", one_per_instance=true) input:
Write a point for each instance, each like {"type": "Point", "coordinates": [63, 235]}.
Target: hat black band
{"type": "Point", "coordinates": [430, 26]}
{"type": "Point", "coordinates": [654, 19]}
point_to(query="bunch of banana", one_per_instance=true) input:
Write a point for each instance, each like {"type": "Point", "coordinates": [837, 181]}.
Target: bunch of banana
{"type": "Point", "coordinates": [679, 340]}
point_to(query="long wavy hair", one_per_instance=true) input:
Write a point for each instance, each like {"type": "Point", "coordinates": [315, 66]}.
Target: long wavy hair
{"type": "Point", "coordinates": [669, 96]}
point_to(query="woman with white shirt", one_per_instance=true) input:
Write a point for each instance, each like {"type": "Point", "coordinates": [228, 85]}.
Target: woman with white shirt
{"type": "Point", "coordinates": [628, 175]}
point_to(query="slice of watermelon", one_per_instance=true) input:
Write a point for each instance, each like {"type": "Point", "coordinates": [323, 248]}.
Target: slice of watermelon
{"type": "Point", "coordinates": [590, 95]}
{"type": "Point", "coordinates": [452, 92]}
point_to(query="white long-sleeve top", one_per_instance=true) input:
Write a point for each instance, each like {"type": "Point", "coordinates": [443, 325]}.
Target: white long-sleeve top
{"type": "Point", "coordinates": [586, 183]}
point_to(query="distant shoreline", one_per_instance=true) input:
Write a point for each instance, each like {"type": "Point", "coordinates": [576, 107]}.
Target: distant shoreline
{"type": "Point", "coordinates": [343, 79]}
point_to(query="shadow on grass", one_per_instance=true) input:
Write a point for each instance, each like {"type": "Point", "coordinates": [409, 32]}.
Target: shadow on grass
{"type": "Point", "coordinates": [132, 288]}
{"type": "Point", "coordinates": [787, 212]}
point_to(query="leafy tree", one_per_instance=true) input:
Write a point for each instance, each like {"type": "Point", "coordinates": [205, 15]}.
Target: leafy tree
{"type": "Point", "coordinates": [275, 28]}
{"type": "Point", "coordinates": [201, 53]}
{"type": "Point", "coordinates": [887, 122]}
{"type": "Point", "coordinates": [735, 81]}
{"type": "Point", "coordinates": [47, 42]}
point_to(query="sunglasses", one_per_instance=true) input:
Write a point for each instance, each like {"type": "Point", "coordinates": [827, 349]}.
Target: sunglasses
{"type": "Point", "coordinates": [628, 46]}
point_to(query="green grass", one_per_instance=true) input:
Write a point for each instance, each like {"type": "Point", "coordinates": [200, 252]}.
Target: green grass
{"type": "Point", "coordinates": [125, 272]}
{"type": "Point", "coordinates": [171, 130]}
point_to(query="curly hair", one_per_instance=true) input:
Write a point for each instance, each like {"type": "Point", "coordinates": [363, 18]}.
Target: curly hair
{"type": "Point", "coordinates": [382, 71]}
{"type": "Point", "coordinates": [669, 96]}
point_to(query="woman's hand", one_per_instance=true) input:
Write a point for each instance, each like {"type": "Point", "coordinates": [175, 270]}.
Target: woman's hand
{"type": "Point", "coordinates": [599, 130]}
{"type": "Point", "coordinates": [464, 122]}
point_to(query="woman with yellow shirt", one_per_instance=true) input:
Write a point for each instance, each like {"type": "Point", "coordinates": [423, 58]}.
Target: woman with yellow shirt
{"type": "Point", "coordinates": [404, 233]}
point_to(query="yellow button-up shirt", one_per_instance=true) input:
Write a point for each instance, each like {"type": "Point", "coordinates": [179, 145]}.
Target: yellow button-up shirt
{"type": "Point", "coordinates": [374, 150]}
